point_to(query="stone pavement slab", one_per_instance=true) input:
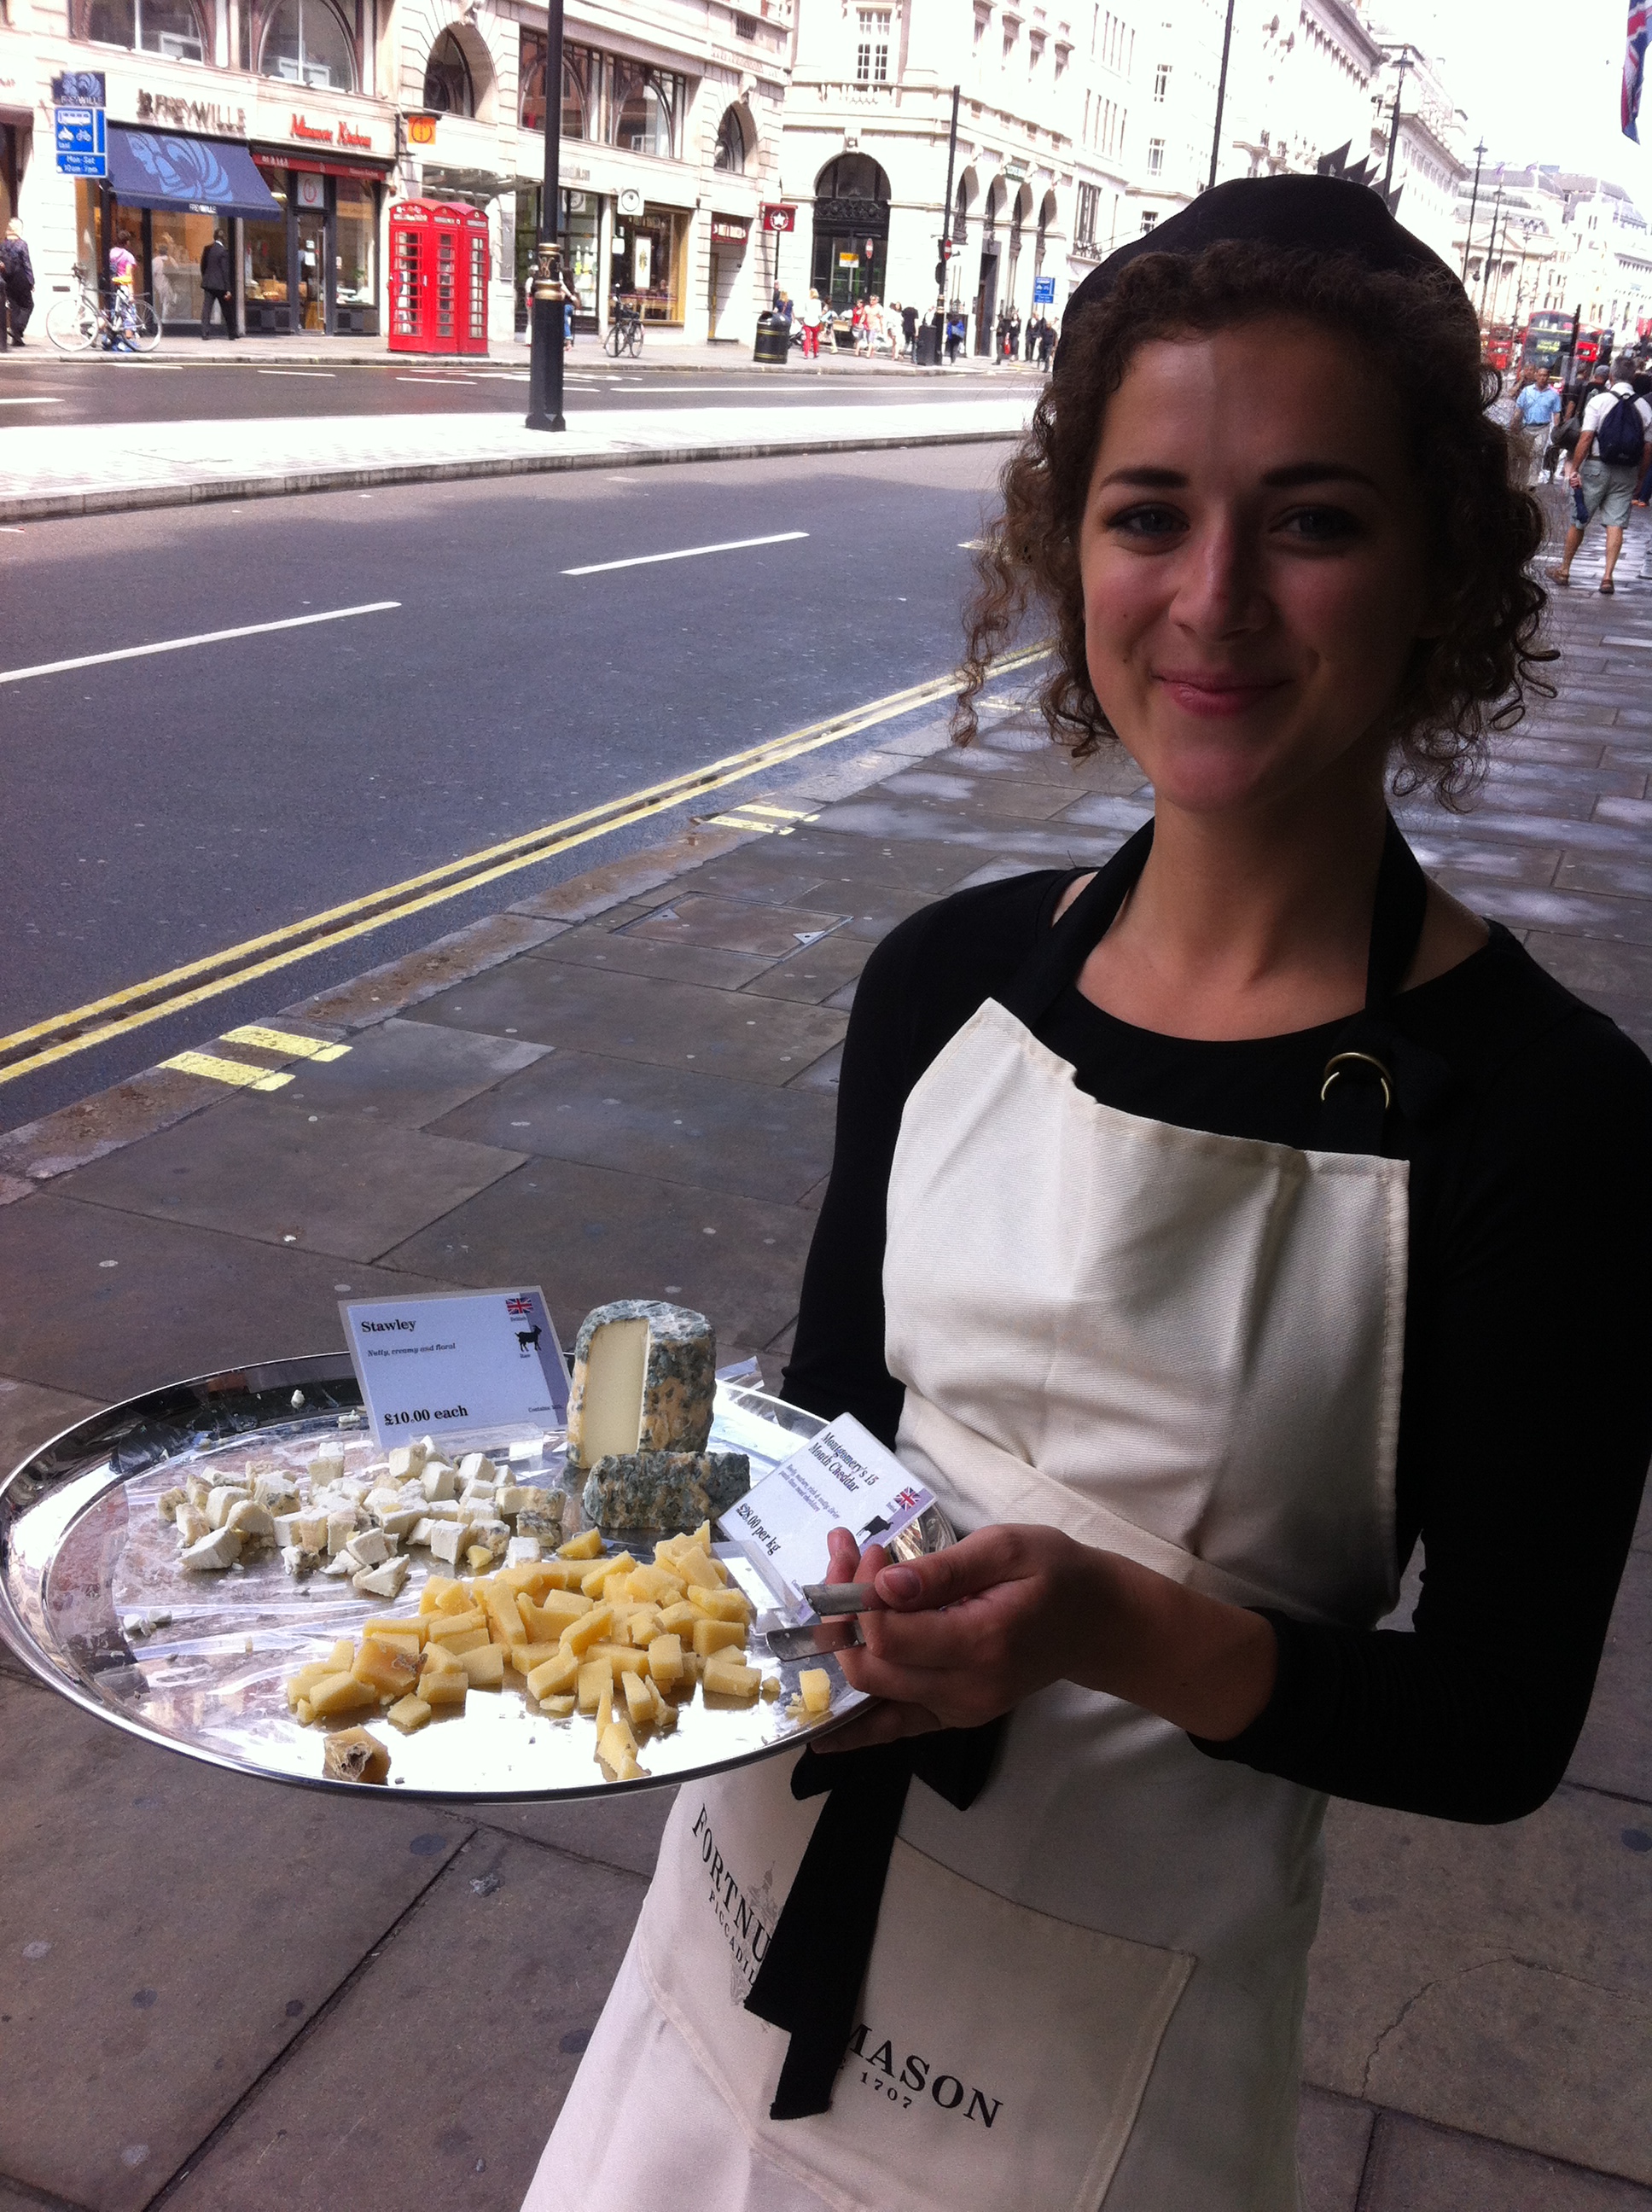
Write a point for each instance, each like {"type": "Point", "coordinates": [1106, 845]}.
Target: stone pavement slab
{"type": "Point", "coordinates": [408, 1073]}
{"type": "Point", "coordinates": [1334, 2139]}
{"type": "Point", "coordinates": [1416, 2168]}
{"type": "Point", "coordinates": [186, 1926]}
{"type": "Point", "coordinates": [435, 2078]}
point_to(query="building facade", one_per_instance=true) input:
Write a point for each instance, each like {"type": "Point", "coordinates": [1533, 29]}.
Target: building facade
{"type": "Point", "coordinates": [291, 127]}
{"type": "Point", "coordinates": [1544, 239]}
{"type": "Point", "coordinates": [1038, 172]}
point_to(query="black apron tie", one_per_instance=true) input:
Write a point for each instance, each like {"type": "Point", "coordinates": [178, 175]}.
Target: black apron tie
{"type": "Point", "coordinates": [813, 1972]}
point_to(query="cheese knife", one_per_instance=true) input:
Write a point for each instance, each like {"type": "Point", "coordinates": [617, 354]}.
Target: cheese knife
{"type": "Point", "coordinates": [834, 1602]}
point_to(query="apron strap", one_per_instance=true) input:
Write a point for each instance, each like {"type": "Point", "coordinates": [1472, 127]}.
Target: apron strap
{"type": "Point", "coordinates": [813, 1972]}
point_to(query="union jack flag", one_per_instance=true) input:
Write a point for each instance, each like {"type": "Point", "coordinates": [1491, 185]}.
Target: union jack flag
{"type": "Point", "coordinates": [1634, 68]}
{"type": "Point", "coordinates": [519, 1306]}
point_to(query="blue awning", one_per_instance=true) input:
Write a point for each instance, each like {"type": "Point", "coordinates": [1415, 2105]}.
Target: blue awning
{"type": "Point", "coordinates": [159, 169]}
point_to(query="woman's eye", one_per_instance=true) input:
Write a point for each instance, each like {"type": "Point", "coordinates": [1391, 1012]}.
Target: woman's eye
{"type": "Point", "coordinates": [1148, 522]}
{"type": "Point", "coordinates": [1320, 526]}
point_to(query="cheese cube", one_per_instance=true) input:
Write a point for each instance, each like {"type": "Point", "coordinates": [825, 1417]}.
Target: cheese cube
{"type": "Point", "coordinates": [197, 1490]}
{"type": "Point", "coordinates": [408, 1713]}
{"type": "Point", "coordinates": [444, 1624]}
{"type": "Point", "coordinates": [722, 1604]}
{"type": "Point", "coordinates": [169, 1502]}
{"type": "Point", "coordinates": [298, 1561]}
{"type": "Point", "coordinates": [287, 1531]}
{"type": "Point", "coordinates": [559, 1708]}
{"type": "Point", "coordinates": [485, 1666]}
{"type": "Point", "coordinates": [665, 1710]}
{"type": "Point", "coordinates": [593, 1681]}
{"type": "Point", "coordinates": [343, 1653]}
{"type": "Point", "coordinates": [368, 1548]}
{"type": "Point", "coordinates": [190, 1523]}
{"type": "Point", "coordinates": [339, 1693]}
{"type": "Point", "coordinates": [639, 1700]}
{"type": "Point", "coordinates": [604, 1711]}
{"type": "Point", "coordinates": [409, 1626]}
{"type": "Point", "coordinates": [387, 1669]}
{"type": "Point", "coordinates": [587, 1545]}
{"type": "Point", "coordinates": [419, 1533]}
{"type": "Point", "coordinates": [300, 1685]}
{"type": "Point", "coordinates": [510, 1498]}
{"type": "Point", "coordinates": [277, 1491]}
{"type": "Point", "coordinates": [697, 1567]}
{"type": "Point", "coordinates": [589, 1628]}
{"type": "Point", "coordinates": [381, 1582]}
{"type": "Point", "coordinates": [505, 1623]}
{"type": "Point", "coordinates": [403, 1522]}
{"type": "Point", "coordinates": [557, 1610]}
{"type": "Point", "coordinates": [449, 1541]}
{"type": "Point", "coordinates": [383, 1497]}
{"type": "Point", "coordinates": [815, 1685]}
{"type": "Point", "coordinates": [556, 1674]}
{"type": "Point", "coordinates": [666, 1659]}
{"type": "Point", "coordinates": [521, 1550]}
{"type": "Point", "coordinates": [220, 1499]}
{"type": "Point", "coordinates": [454, 1597]}
{"type": "Point", "coordinates": [615, 1745]}
{"type": "Point", "coordinates": [353, 1755]}
{"type": "Point", "coordinates": [622, 1658]}
{"type": "Point", "coordinates": [311, 1530]}
{"type": "Point", "coordinates": [218, 1549]}
{"type": "Point", "coordinates": [407, 1459]}
{"type": "Point", "coordinates": [680, 1619]}
{"type": "Point", "coordinates": [593, 1582]}
{"type": "Point", "coordinates": [341, 1527]}
{"type": "Point", "coordinates": [711, 1636]}
{"type": "Point", "coordinates": [444, 1686]}
{"type": "Point", "coordinates": [724, 1677]}
{"type": "Point", "coordinates": [492, 1534]}
{"type": "Point", "coordinates": [462, 1640]}
{"type": "Point", "coordinates": [477, 1467]}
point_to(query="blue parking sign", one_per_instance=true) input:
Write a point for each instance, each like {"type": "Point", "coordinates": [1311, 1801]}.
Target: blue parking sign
{"type": "Point", "coordinates": [1043, 291]}
{"type": "Point", "coordinates": [82, 149]}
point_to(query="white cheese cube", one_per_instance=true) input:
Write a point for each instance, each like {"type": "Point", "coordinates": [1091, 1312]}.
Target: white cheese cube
{"type": "Point", "coordinates": [439, 1481]}
{"type": "Point", "coordinates": [328, 1463]}
{"type": "Point", "coordinates": [169, 1502]}
{"type": "Point", "coordinates": [383, 1499]}
{"type": "Point", "coordinates": [190, 1523]}
{"type": "Point", "coordinates": [368, 1548]}
{"type": "Point", "coordinates": [496, 1534]}
{"type": "Point", "coordinates": [403, 1522]}
{"type": "Point", "coordinates": [521, 1550]}
{"type": "Point", "coordinates": [385, 1581]}
{"type": "Point", "coordinates": [477, 1498]}
{"type": "Point", "coordinates": [420, 1532]}
{"type": "Point", "coordinates": [405, 1460]}
{"type": "Point", "coordinates": [311, 1529]}
{"type": "Point", "coordinates": [220, 1500]}
{"type": "Point", "coordinates": [197, 1490]}
{"type": "Point", "coordinates": [340, 1565]}
{"type": "Point", "coordinates": [511, 1497]}
{"type": "Point", "coordinates": [286, 1530]}
{"type": "Point", "coordinates": [219, 1549]}
{"type": "Point", "coordinates": [341, 1527]}
{"type": "Point", "coordinates": [448, 1541]}
{"type": "Point", "coordinates": [477, 1467]}
{"type": "Point", "coordinates": [299, 1560]}
{"type": "Point", "coordinates": [279, 1491]}
{"type": "Point", "coordinates": [252, 1522]}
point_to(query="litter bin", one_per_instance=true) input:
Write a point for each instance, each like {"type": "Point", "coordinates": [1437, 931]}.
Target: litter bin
{"type": "Point", "coordinates": [774, 340]}
{"type": "Point", "coordinates": [929, 345]}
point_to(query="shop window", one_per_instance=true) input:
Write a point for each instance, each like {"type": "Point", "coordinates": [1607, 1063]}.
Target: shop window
{"type": "Point", "coordinates": [650, 254]}
{"type": "Point", "coordinates": [264, 263]}
{"type": "Point", "coordinates": [356, 245]}
{"type": "Point", "coordinates": [448, 87]}
{"type": "Point", "coordinates": [305, 43]}
{"type": "Point", "coordinates": [647, 109]}
{"type": "Point", "coordinates": [730, 155]}
{"type": "Point", "coordinates": [169, 27]}
{"type": "Point", "coordinates": [581, 88]}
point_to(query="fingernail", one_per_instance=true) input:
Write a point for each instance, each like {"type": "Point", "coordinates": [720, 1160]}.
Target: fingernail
{"type": "Point", "coordinates": [898, 1582]}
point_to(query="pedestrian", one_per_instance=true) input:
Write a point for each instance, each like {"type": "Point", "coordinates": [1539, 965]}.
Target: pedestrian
{"type": "Point", "coordinates": [1614, 450]}
{"type": "Point", "coordinates": [123, 296]}
{"type": "Point", "coordinates": [810, 317]}
{"type": "Point", "coordinates": [1045, 343]}
{"type": "Point", "coordinates": [958, 329]}
{"type": "Point", "coordinates": [999, 329]}
{"type": "Point", "coordinates": [1183, 1235]}
{"type": "Point", "coordinates": [215, 285]}
{"type": "Point", "coordinates": [909, 330]}
{"type": "Point", "coordinates": [860, 327]}
{"type": "Point", "coordinates": [1538, 404]}
{"type": "Point", "coordinates": [16, 282]}
{"type": "Point", "coordinates": [1012, 335]}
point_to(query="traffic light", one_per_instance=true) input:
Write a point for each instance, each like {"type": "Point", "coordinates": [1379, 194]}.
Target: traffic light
{"type": "Point", "coordinates": [940, 275]}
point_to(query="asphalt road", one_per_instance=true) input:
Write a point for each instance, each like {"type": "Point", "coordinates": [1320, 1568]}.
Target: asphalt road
{"type": "Point", "coordinates": [164, 808]}
{"type": "Point", "coordinates": [42, 386]}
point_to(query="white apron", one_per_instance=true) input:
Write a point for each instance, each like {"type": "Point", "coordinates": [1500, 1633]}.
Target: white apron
{"type": "Point", "coordinates": [1085, 1991]}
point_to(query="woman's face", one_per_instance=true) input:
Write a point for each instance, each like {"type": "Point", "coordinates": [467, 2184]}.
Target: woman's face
{"type": "Point", "coordinates": [1254, 560]}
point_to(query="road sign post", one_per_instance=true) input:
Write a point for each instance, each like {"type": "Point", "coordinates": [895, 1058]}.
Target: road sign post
{"type": "Point", "coordinates": [82, 148]}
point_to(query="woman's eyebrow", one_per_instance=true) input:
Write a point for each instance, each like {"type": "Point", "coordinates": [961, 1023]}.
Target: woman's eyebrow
{"type": "Point", "coordinates": [1290, 478]}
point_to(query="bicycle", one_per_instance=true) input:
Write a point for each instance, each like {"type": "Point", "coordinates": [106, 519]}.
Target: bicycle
{"type": "Point", "coordinates": [84, 321]}
{"type": "Point", "coordinates": [625, 333]}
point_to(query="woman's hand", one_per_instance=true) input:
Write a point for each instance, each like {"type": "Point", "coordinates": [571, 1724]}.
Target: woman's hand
{"type": "Point", "coordinates": [970, 1631]}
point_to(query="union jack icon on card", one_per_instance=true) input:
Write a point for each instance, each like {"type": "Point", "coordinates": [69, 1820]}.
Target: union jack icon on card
{"type": "Point", "coordinates": [519, 1305]}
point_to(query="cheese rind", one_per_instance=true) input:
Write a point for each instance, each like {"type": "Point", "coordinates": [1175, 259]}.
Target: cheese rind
{"type": "Point", "coordinates": [640, 1352]}
{"type": "Point", "coordinates": [672, 1491]}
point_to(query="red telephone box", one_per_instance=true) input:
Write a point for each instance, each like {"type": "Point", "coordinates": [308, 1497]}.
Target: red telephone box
{"type": "Point", "coordinates": [439, 269]}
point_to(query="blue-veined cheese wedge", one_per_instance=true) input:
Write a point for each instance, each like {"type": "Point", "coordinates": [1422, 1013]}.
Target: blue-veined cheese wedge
{"type": "Point", "coordinates": [645, 1376]}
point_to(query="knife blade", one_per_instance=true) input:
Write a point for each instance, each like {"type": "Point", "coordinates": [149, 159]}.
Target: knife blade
{"type": "Point", "coordinates": [829, 1598]}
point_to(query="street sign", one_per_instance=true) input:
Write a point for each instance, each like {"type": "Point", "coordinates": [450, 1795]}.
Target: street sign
{"type": "Point", "coordinates": [80, 88]}
{"type": "Point", "coordinates": [780, 218]}
{"type": "Point", "coordinates": [1043, 291]}
{"type": "Point", "coordinates": [82, 146]}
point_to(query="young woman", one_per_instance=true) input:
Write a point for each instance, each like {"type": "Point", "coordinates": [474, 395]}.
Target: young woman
{"type": "Point", "coordinates": [1206, 1231]}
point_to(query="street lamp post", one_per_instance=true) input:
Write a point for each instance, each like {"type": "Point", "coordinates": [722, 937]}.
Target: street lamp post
{"type": "Point", "coordinates": [1401, 66]}
{"type": "Point", "coordinates": [545, 360]}
{"type": "Point", "coordinates": [1474, 203]}
{"type": "Point", "coordinates": [943, 266]}
{"type": "Point", "coordinates": [1221, 93]}
{"type": "Point", "coordinates": [1485, 269]}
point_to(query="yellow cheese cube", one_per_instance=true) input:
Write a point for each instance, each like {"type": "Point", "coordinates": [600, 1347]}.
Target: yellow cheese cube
{"type": "Point", "coordinates": [679, 1617]}
{"type": "Point", "coordinates": [530, 1578]}
{"type": "Point", "coordinates": [615, 1745]}
{"type": "Point", "coordinates": [503, 1615]}
{"type": "Point", "coordinates": [524, 1657]}
{"type": "Point", "coordinates": [444, 1686]}
{"type": "Point", "coordinates": [455, 1598]}
{"type": "Point", "coordinates": [444, 1626]}
{"type": "Point", "coordinates": [305, 1680]}
{"type": "Point", "coordinates": [604, 1706]}
{"type": "Point", "coordinates": [622, 1658]}
{"type": "Point", "coordinates": [643, 1624]}
{"type": "Point", "coordinates": [431, 1594]}
{"type": "Point", "coordinates": [590, 1628]}
{"type": "Point", "coordinates": [302, 1708]}
{"type": "Point", "coordinates": [711, 1636]}
{"type": "Point", "coordinates": [723, 1604]}
{"type": "Point", "coordinates": [439, 1659]}
{"type": "Point", "coordinates": [559, 1708]}
{"type": "Point", "coordinates": [484, 1666]}
{"type": "Point", "coordinates": [639, 1700]}
{"type": "Point", "coordinates": [666, 1659]}
{"type": "Point", "coordinates": [587, 1545]}
{"type": "Point", "coordinates": [554, 1676]}
{"type": "Point", "coordinates": [771, 1688]}
{"type": "Point", "coordinates": [697, 1567]}
{"type": "Point", "coordinates": [408, 1713]}
{"type": "Point", "coordinates": [477, 1557]}
{"type": "Point", "coordinates": [665, 1710]}
{"type": "Point", "coordinates": [384, 1667]}
{"type": "Point", "coordinates": [815, 1685]}
{"type": "Point", "coordinates": [631, 1772]}
{"type": "Point", "coordinates": [462, 1640]}
{"type": "Point", "coordinates": [400, 1624]}
{"type": "Point", "coordinates": [621, 1564]}
{"type": "Point", "coordinates": [655, 1585]}
{"type": "Point", "coordinates": [724, 1677]}
{"type": "Point", "coordinates": [544, 1623]}
{"type": "Point", "coordinates": [353, 1755]}
{"type": "Point", "coordinates": [342, 1655]}
{"type": "Point", "coordinates": [340, 1693]}
{"type": "Point", "coordinates": [593, 1679]}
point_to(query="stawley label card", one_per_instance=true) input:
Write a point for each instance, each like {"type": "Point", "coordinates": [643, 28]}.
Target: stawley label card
{"type": "Point", "coordinates": [477, 1359]}
{"type": "Point", "coordinates": [843, 1480]}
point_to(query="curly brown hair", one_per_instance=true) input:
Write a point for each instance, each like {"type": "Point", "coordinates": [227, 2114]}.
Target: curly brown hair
{"type": "Point", "coordinates": [1420, 332]}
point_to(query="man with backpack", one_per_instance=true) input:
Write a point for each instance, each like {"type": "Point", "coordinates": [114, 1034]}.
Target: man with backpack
{"type": "Point", "coordinates": [1615, 446]}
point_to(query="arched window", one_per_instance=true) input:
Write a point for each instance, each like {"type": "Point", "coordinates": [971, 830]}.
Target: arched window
{"type": "Point", "coordinates": [851, 177]}
{"type": "Point", "coordinates": [730, 155]}
{"type": "Point", "coordinates": [447, 86]}
{"type": "Point", "coordinates": [305, 43]}
{"type": "Point", "coordinates": [169, 27]}
{"type": "Point", "coordinates": [960, 214]}
{"type": "Point", "coordinates": [581, 86]}
{"type": "Point", "coordinates": [647, 109]}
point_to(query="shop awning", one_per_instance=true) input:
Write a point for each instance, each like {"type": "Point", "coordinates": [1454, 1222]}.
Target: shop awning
{"type": "Point", "coordinates": [163, 169]}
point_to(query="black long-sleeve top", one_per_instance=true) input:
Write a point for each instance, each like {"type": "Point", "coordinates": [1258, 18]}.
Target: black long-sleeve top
{"type": "Point", "coordinates": [1526, 1416]}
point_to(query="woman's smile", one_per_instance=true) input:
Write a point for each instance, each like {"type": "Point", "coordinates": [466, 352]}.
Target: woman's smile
{"type": "Point", "coordinates": [1215, 692]}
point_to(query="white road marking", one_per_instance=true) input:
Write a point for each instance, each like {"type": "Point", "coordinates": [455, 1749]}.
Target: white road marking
{"type": "Point", "coordinates": [30, 403]}
{"type": "Point", "coordinates": [1644, 644]}
{"type": "Point", "coordinates": [437, 379]}
{"type": "Point", "coordinates": [327, 373]}
{"type": "Point", "coordinates": [206, 637]}
{"type": "Point", "coordinates": [688, 553]}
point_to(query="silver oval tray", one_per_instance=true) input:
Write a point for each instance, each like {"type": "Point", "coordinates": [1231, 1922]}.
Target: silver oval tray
{"type": "Point", "coordinates": [92, 1599]}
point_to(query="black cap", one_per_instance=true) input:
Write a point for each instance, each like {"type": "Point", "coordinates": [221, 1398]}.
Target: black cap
{"type": "Point", "coordinates": [1326, 214]}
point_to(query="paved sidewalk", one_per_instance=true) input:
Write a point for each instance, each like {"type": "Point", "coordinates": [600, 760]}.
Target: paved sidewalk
{"type": "Point", "coordinates": [103, 468]}
{"type": "Point", "coordinates": [231, 1997]}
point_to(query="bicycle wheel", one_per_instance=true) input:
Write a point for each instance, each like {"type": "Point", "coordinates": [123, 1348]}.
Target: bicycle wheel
{"type": "Point", "coordinates": [633, 339]}
{"type": "Point", "coordinates": [614, 340]}
{"type": "Point", "coordinates": [72, 324]}
{"type": "Point", "coordinates": [145, 332]}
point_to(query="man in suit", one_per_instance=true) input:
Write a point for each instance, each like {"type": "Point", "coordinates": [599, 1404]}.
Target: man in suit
{"type": "Point", "coordinates": [216, 283]}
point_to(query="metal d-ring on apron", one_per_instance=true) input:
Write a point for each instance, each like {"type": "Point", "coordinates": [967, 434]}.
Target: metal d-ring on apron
{"type": "Point", "coordinates": [811, 1974]}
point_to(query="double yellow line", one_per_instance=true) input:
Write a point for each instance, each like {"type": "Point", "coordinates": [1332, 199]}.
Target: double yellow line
{"type": "Point", "coordinates": [180, 988]}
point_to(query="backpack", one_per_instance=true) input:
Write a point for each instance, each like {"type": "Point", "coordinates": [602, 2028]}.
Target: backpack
{"type": "Point", "coordinates": [1620, 437]}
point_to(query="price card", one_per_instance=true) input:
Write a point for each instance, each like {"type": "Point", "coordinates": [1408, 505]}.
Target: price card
{"type": "Point", "coordinates": [843, 1480]}
{"type": "Point", "coordinates": [477, 1359]}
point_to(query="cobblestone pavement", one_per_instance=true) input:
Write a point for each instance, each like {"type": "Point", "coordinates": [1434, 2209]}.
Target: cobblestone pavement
{"type": "Point", "coordinates": [227, 1996]}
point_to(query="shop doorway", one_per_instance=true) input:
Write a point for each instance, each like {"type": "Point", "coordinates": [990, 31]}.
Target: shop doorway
{"type": "Point", "coordinates": [852, 201]}
{"type": "Point", "coordinates": [986, 299]}
{"type": "Point", "coordinates": [312, 258]}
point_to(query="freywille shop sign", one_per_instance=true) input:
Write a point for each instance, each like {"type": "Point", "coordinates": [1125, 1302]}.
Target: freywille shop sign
{"type": "Point", "coordinates": [191, 114]}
